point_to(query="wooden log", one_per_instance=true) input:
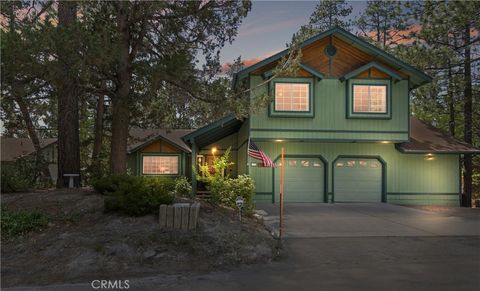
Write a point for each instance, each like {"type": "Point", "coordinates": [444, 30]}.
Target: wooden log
{"type": "Point", "coordinates": [177, 213]}
{"type": "Point", "coordinates": [193, 216]}
{"type": "Point", "coordinates": [185, 216]}
{"type": "Point", "coordinates": [162, 216]}
{"type": "Point", "coordinates": [169, 216]}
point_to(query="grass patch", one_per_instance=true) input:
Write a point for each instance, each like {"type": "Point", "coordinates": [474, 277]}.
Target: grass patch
{"type": "Point", "coordinates": [17, 223]}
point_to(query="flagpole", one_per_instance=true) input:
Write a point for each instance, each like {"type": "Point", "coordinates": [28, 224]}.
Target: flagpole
{"type": "Point", "coordinates": [282, 174]}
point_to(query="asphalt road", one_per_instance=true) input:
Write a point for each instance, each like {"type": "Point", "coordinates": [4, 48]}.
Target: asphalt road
{"type": "Point", "coordinates": [351, 247]}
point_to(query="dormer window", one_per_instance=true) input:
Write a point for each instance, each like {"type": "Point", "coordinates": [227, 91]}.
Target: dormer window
{"type": "Point", "coordinates": [292, 97]}
{"type": "Point", "coordinates": [369, 99]}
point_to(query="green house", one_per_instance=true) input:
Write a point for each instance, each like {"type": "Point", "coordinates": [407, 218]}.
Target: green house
{"type": "Point", "coordinates": [344, 122]}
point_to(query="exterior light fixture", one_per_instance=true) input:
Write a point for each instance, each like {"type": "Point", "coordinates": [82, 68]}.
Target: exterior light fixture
{"type": "Point", "coordinates": [429, 157]}
{"type": "Point", "coordinates": [214, 150]}
{"type": "Point", "coordinates": [385, 142]}
{"type": "Point", "coordinates": [279, 140]}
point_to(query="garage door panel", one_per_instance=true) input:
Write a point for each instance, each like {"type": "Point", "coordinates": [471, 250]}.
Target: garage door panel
{"type": "Point", "coordinates": [357, 180]}
{"type": "Point", "coordinates": [304, 180]}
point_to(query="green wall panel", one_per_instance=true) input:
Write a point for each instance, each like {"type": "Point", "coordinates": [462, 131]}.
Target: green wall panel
{"type": "Point", "coordinates": [330, 116]}
{"type": "Point", "coordinates": [409, 175]}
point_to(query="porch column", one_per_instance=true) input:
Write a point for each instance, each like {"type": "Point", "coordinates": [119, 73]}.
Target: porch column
{"type": "Point", "coordinates": [194, 166]}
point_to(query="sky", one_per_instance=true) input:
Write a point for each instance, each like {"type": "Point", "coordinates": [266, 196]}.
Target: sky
{"type": "Point", "coordinates": [269, 27]}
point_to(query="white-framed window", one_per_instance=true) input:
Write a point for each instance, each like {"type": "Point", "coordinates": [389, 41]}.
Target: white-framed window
{"type": "Point", "coordinates": [292, 97]}
{"type": "Point", "coordinates": [160, 165]}
{"type": "Point", "coordinates": [369, 99]}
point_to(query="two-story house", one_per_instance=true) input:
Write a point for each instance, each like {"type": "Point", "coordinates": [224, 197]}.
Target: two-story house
{"type": "Point", "coordinates": [346, 127]}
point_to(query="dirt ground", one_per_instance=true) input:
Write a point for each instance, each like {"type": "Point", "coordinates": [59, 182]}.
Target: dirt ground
{"type": "Point", "coordinates": [83, 243]}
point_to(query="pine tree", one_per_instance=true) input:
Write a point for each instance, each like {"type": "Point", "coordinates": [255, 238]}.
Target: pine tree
{"type": "Point", "coordinates": [382, 22]}
{"type": "Point", "coordinates": [327, 14]}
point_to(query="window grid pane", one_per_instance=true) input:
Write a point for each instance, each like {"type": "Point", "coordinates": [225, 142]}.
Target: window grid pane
{"type": "Point", "coordinates": [369, 98]}
{"type": "Point", "coordinates": [160, 165]}
{"type": "Point", "coordinates": [292, 97]}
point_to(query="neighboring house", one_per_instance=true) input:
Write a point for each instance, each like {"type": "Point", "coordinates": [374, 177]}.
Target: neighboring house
{"type": "Point", "coordinates": [13, 149]}
{"type": "Point", "coordinates": [158, 152]}
{"type": "Point", "coordinates": [345, 123]}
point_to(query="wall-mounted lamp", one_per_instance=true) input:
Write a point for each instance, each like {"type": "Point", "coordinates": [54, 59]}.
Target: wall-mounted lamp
{"type": "Point", "coordinates": [214, 150]}
{"type": "Point", "coordinates": [429, 157]}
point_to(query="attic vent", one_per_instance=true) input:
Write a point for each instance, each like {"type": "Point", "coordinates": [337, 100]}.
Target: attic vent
{"type": "Point", "coordinates": [330, 50]}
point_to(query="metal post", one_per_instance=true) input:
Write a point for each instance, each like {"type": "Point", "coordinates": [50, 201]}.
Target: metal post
{"type": "Point", "coordinates": [194, 167]}
{"type": "Point", "coordinates": [281, 190]}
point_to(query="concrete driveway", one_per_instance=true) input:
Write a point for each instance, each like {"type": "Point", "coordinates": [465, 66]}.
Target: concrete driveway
{"type": "Point", "coordinates": [350, 247]}
{"type": "Point", "coordinates": [316, 220]}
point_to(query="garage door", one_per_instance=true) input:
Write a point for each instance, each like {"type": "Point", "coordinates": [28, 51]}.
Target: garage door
{"type": "Point", "coordinates": [357, 180]}
{"type": "Point", "coordinates": [304, 180]}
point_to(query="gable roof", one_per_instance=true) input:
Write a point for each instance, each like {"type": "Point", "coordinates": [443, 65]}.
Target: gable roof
{"type": "Point", "coordinates": [13, 148]}
{"type": "Point", "coordinates": [369, 66]}
{"type": "Point", "coordinates": [417, 77]}
{"type": "Point", "coordinates": [425, 138]}
{"type": "Point", "coordinates": [214, 131]}
{"type": "Point", "coordinates": [140, 137]}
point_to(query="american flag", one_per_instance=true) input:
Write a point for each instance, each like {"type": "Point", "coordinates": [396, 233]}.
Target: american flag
{"type": "Point", "coordinates": [255, 152]}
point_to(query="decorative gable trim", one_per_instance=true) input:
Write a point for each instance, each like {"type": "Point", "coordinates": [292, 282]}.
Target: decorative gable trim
{"type": "Point", "coordinates": [312, 71]}
{"type": "Point", "coordinates": [418, 77]}
{"type": "Point", "coordinates": [368, 66]}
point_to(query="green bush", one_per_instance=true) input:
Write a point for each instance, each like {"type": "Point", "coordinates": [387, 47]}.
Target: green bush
{"type": "Point", "coordinates": [223, 189]}
{"type": "Point", "coordinates": [226, 191]}
{"type": "Point", "coordinates": [111, 183]}
{"type": "Point", "coordinates": [183, 187]}
{"type": "Point", "coordinates": [21, 222]}
{"type": "Point", "coordinates": [136, 196]}
{"type": "Point", "coordinates": [13, 182]}
{"type": "Point", "coordinates": [24, 174]}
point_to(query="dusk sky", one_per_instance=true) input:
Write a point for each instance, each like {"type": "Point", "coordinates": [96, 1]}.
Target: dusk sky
{"type": "Point", "coordinates": [269, 26]}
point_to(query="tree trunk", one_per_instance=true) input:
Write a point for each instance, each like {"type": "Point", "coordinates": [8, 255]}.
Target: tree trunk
{"type": "Point", "coordinates": [98, 136]}
{"type": "Point", "coordinates": [451, 102]}
{"type": "Point", "coordinates": [467, 112]}
{"type": "Point", "coordinates": [120, 110]}
{"type": "Point", "coordinates": [68, 116]}
{"type": "Point", "coordinates": [31, 132]}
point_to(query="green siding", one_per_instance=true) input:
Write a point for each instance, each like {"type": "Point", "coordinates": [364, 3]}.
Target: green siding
{"type": "Point", "coordinates": [329, 121]}
{"type": "Point", "coordinates": [242, 149]}
{"type": "Point", "coordinates": [410, 178]}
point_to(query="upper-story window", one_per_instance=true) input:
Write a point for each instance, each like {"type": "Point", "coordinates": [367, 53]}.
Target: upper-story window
{"type": "Point", "coordinates": [292, 97]}
{"type": "Point", "coordinates": [369, 98]}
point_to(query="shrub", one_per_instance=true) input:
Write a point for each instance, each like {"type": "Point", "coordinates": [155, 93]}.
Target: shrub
{"type": "Point", "coordinates": [13, 182]}
{"type": "Point", "coordinates": [111, 183]}
{"type": "Point", "coordinates": [226, 191]}
{"type": "Point", "coordinates": [183, 187]}
{"type": "Point", "coordinates": [21, 222]}
{"type": "Point", "coordinates": [24, 174]}
{"type": "Point", "coordinates": [136, 196]}
{"type": "Point", "coordinates": [223, 189]}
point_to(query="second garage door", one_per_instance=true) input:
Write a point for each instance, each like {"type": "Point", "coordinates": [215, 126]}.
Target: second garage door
{"type": "Point", "coordinates": [357, 180]}
{"type": "Point", "coordinates": [304, 180]}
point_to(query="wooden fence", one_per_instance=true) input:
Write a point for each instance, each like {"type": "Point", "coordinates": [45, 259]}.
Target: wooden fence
{"type": "Point", "coordinates": [179, 216]}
